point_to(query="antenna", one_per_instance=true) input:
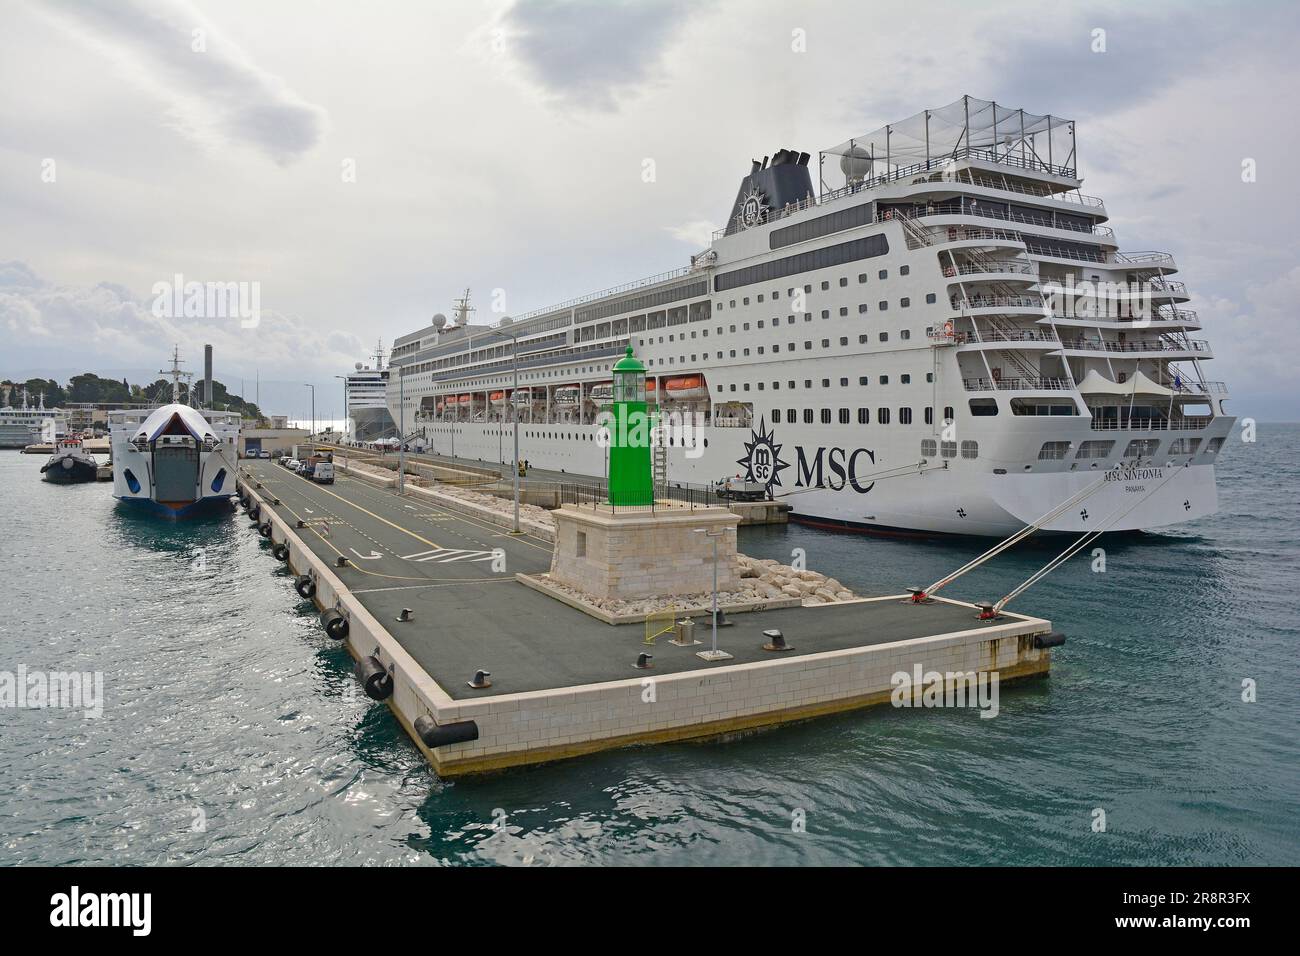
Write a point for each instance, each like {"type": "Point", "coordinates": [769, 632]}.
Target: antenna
{"type": "Point", "coordinates": [176, 374]}
{"type": "Point", "coordinates": [463, 308]}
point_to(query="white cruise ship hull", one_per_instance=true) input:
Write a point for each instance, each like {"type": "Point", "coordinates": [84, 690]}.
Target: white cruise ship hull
{"type": "Point", "coordinates": [891, 489]}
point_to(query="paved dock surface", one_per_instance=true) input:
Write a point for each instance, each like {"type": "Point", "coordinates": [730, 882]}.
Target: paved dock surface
{"type": "Point", "coordinates": [470, 613]}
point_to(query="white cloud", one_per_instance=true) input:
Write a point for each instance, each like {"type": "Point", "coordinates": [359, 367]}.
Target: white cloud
{"type": "Point", "coordinates": [697, 232]}
{"type": "Point", "coordinates": [216, 94]}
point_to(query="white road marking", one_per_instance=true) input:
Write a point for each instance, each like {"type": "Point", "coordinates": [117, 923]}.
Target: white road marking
{"type": "Point", "coordinates": [448, 555]}
{"type": "Point", "coordinates": [372, 556]}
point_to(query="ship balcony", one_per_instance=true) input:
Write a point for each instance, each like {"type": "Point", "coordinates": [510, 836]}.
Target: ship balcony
{"type": "Point", "coordinates": [995, 339]}
{"type": "Point", "coordinates": [1017, 385]}
{"type": "Point", "coordinates": [1140, 348]}
{"type": "Point", "coordinates": [950, 215]}
{"type": "Point", "coordinates": [1148, 263]}
{"type": "Point", "coordinates": [1160, 320]}
{"type": "Point", "coordinates": [992, 270]}
{"type": "Point", "coordinates": [1184, 387]}
{"type": "Point", "coordinates": [982, 304]}
{"type": "Point", "coordinates": [1137, 424]}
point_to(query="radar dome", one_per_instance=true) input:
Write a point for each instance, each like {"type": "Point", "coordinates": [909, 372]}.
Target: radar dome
{"type": "Point", "coordinates": [856, 164]}
{"type": "Point", "coordinates": [505, 320]}
{"type": "Point", "coordinates": [358, 366]}
{"type": "Point", "coordinates": [439, 321]}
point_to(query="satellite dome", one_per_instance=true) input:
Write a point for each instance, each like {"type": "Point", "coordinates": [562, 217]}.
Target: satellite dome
{"type": "Point", "coordinates": [358, 366]}
{"type": "Point", "coordinates": [856, 164]}
{"type": "Point", "coordinates": [505, 320]}
{"type": "Point", "coordinates": [439, 321]}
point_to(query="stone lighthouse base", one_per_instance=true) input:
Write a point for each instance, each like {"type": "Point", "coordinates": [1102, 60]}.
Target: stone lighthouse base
{"type": "Point", "coordinates": [633, 553]}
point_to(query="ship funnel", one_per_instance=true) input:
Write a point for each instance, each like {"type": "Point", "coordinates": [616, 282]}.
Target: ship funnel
{"type": "Point", "coordinates": [770, 188]}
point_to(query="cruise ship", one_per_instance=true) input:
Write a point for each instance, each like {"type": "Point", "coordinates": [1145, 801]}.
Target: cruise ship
{"type": "Point", "coordinates": [365, 390]}
{"type": "Point", "coordinates": [942, 337]}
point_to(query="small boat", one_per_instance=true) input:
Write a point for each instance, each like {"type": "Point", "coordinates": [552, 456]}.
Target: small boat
{"type": "Point", "coordinates": [69, 463]}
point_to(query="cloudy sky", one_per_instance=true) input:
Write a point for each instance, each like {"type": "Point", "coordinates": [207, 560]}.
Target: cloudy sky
{"type": "Point", "coordinates": [364, 163]}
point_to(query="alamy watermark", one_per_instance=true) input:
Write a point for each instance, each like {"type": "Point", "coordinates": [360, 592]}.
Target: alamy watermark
{"type": "Point", "coordinates": [177, 299]}
{"type": "Point", "coordinates": [66, 690]}
{"type": "Point", "coordinates": [946, 689]}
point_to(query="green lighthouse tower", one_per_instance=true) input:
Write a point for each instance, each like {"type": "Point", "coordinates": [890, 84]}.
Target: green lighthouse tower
{"type": "Point", "coordinates": [631, 481]}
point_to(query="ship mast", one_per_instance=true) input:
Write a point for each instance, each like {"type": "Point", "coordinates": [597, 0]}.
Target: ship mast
{"type": "Point", "coordinates": [463, 308]}
{"type": "Point", "coordinates": [176, 374]}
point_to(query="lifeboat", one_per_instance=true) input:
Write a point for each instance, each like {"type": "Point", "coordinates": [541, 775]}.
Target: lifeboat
{"type": "Point", "coordinates": [498, 399]}
{"type": "Point", "coordinates": [464, 401]}
{"type": "Point", "coordinates": [685, 388]}
{"type": "Point", "coordinates": [567, 395]}
{"type": "Point", "coordinates": [602, 393]}
{"type": "Point", "coordinates": [523, 396]}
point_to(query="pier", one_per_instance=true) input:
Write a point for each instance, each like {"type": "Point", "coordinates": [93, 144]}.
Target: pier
{"type": "Point", "coordinates": [485, 671]}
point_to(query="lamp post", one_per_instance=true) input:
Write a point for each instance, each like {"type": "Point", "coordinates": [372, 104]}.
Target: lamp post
{"type": "Point", "coordinates": [345, 404]}
{"type": "Point", "coordinates": [401, 429]}
{"type": "Point", "coordinates": [313, 413]}
{"type": "Point", "coordinates": [514, 412]}
{"type": "Point", "coordinates": [713, 654]}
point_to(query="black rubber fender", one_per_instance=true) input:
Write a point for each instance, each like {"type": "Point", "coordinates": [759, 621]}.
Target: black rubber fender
{"type": "Point", "coordinates": [254, 512]}
{"type": "Point", "coordinates": [374, 678]}
{"type": "Point", "coordinates": [305, 586]}
{"type": "Point", "coordinates": [335, 624]}
{"type": "Point", "coordinates": [264, 529]}
{"type": "Point", "coordinates": [434, 734]}
{"type": "Point", "coordinates": [280, 552]}
{"type": "Point", "coordinates": [1044, 641]}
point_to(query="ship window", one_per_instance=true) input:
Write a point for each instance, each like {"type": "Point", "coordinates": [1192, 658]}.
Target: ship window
{"type": "Point", "coordinates": [1095, 449]}
{"type": "Point", "coordinates": [1053, 450]}
{"type": "Point", "coordinates": [929, 448]}
{"type": "Point", "coordinates": [862, 340]}
{"type": "Point", "coordinates": [882, 305]}
{"type": "Point", "coordinates": [776, 293]}
{"type": "Point", "coordinates": [844, 383]}
{"type": "Point", "coordinates": [884, 273]}
{"type": "Point", "coordinates": [905, 303]}
{"type": "Point", "coordinates": [790, 415]}
{"type": "Point", "coordinates": [826, 313]}
{"type": "Point", "coordinates": [864, 416]}
{"type": "Point", "coordinates": [844, 310]}
{"type": "Point", "coordinates": [948, 413]}
{"type": "Point", "coordinates": [825, 286]}
{"type": "Point", "coordinates": [970, 449]}
{"type": "Point", "coordinates": [862, 277]}
{"type": "Point", "coordinates": [776, 386]}
{"type": "Point", "coordinates": [948, 449]}
{"type": "Point", "coordinates": [862, 308]}
{"type": "Point", "coordinates": [884, 380]}
{"type": "Point", "coordinates": [826, 416]}
{"type": "Point", "coordinates": [745, 301]}
{"type": "Point", "coordinates": [905, 379]}
{"type": "Point", "coordinates": [1141, 447]}
{"type": "Point", "coordinates": [983, 407]}
{"type": "Point", "coordinates": [792, 385]}
{"type": "Point", "coordinates": [929, 415]}
{"type": "Point", "coordinates": [776, 416]}
{"type": "Point", "coordinates": [807, 416]}
{"type": "Point", "coordinates": [882, 416]}
{"type": "Point", "coordinates": [760, 297]}
{"type": "Point", "coordinates": [1214, 445]}
{"type": "Point", "coordinates": [843, 282]}
{"type": "Point", "coordinates": [807, 344]}
{"type": "Point", "coordinates": [844, 340]}
{"type": "Point", "coordinates": [904, 270]}
{"type": "Point", "coordinates": [826, 343]}
{"type": "Point", "coordinates": [904, 416]}
{"type": "Point", "coordinates": [826, 383]}
{"type": "Point", "coordinates": [864, 379]}
{"type": "Point", "coordinates": [844, 416]}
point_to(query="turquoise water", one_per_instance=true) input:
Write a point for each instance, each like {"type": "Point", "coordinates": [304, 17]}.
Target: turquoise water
{"type": "Point", "coordinates": [232, 730]}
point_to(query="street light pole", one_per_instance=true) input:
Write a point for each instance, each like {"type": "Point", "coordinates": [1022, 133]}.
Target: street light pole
{"type": "Point", "coordinates": [713, 654]}
{"type": "Point", "coordinates": [313, 413]}
{"type": "Point", "coordinates": [401, 430]}
{"type": "Point", "coordinates": [514, 412]}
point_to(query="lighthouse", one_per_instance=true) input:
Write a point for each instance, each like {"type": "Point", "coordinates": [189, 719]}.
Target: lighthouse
{"type": "Point", "coordinates": [631, 481]}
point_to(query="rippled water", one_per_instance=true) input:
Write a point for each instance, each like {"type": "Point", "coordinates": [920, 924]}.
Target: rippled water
{"type": "Point", "coordinates": [227, 708]}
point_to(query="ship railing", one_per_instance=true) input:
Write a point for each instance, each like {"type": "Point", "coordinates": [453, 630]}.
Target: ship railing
{"type": "Point", "coordinates": [980, 212]}
{"type": "Point", "coordinates": [1177, 423]}
{"type": "Point", "coordinates": [1168, 286]}
{"type": "Point", "coordinates": [1144, 258]}
{"type": "Point", "coordinates": [1017, 384]}
{"type": "Point", "coordinates": [1143, 345]}
{"type": "Point", "coordinates": [992, 266]}
{"type": "Point", "coordinates": [1183, 387]}
{"type": "Point", "coordinates": [1072, 196]}
{"type": "Point", "coordinates": [996, 301]}
{"type": "Point", "coordinates": [613, 290]}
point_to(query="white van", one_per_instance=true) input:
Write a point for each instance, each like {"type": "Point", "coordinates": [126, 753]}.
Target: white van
{"type": "Point", "coordinates": [324, 473]}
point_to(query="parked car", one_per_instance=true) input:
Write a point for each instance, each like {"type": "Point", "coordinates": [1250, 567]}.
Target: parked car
{"type": "Point", "coordinates": [265, 454]}
{"type": "Point", "coordinates": [285, 459]}
{"type": "Point", "coordinates": [292, 464]}
{"type": "Point", "coordinates": [323, 473]}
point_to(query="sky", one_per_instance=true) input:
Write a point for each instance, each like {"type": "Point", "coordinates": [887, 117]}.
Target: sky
{"type": "Point", "coordinates": [360, 165]}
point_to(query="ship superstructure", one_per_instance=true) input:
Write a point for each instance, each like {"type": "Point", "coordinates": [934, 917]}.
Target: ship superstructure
{"type": "Point", "coordinates": [944, 336]}
{"type": "Point", "coordinates": [366, 393]}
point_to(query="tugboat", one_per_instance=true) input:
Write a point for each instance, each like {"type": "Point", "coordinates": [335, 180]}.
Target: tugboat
{"type": "Point", "coordinates": [69, 463]}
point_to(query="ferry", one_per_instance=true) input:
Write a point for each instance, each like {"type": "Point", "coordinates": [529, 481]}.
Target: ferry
{"type": "Point", "coordinates": [942, 337]}
{"type": "Point", "coordinates": [365, 392]}
{"type": "Point", "coordinates": [27, 424]}
{"type": "Point", "coordinates": [174, 460]}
